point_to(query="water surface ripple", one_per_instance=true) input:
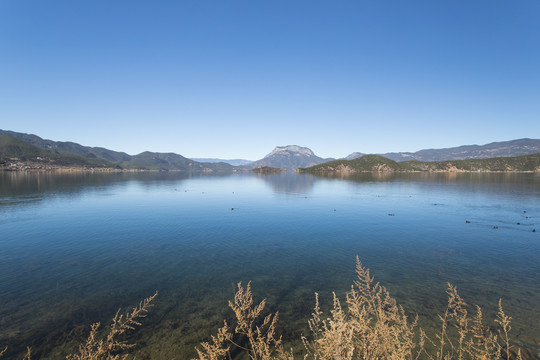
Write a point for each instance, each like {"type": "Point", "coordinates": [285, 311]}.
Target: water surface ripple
{"type": "Point", "coordinates": [76, 247]}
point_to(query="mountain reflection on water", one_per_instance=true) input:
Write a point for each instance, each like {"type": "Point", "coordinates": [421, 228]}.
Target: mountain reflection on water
{"type": "Point", "coordinates": [34, 183]}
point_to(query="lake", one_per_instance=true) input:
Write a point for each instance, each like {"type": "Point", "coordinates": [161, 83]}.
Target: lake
{"type": "Point", "coordinates": [75, 247]}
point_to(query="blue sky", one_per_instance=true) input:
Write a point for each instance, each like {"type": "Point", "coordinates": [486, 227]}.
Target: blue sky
{"type": "Point", "coordinates": [234, 79]}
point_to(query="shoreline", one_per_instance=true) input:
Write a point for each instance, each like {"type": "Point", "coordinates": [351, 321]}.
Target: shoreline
{"type": "Point", "coordinates": [346, 173]}
{"type": "Point", "coordinates": [338, 173]}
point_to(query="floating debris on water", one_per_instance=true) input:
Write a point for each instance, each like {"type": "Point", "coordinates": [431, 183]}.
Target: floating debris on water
{"type": "Point", "coordinates": [495, 227]}
{"type": "Point", "coordinates": [391, 214]}
{"type": "Point", "coordinates": [467, 222]}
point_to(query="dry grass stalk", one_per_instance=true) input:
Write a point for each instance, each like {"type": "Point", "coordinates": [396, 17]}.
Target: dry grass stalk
{"type": "Point", "coordinates": [455, 310]}
{"type": "Point", "coordinates": [481, 343]}
{"type": "Point", "coordinates": [476, 341]}
{"type": "Point", "coordinates": [219, 348]}
{"type": "Point", "coordinates": [257, 339]}
{"type": "Point", "coordinates": [333, 337]}
{"type": "Point", "coordinates": [504, 322]}
{"type": "Point", "coordinates": [28, 354]}
{"type": "Point", "coordinates": [96, 348]}
{"type": "Point", "coordinates": [374, 327]}
{"type": "Point", "coordinates": [107, 348]}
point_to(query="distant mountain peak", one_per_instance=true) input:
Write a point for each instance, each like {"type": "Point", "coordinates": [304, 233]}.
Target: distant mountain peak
{"type": "Point", "coordinates": [354, 155]}
{"type": "Point", "coordinates": [295, 149]}
{"type": "Point", "coordinates": [289, 157]}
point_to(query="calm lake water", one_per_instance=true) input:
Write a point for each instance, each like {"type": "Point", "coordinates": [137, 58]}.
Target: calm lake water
{"type": "Point", "coordinates": [76, 247]}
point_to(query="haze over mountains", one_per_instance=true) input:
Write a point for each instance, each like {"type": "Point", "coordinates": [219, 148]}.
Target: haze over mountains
{"type": "Point", "coordinates": [234, 162]}
{"type": "Point", "coordinates": [27, 146]}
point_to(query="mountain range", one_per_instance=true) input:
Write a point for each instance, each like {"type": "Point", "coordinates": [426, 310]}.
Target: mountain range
{"type": "Point", "coordinates": [25, 150]}
{"type": "Point", "coordinates": [377, 163]}
{"type": "Point", "coordinates": [495, 149]}
{"type": "Point", "coordinates": [234, 162]}
{"type": "Point", "coordinates": [36, 152]}
{"type": "Point", "coordinates": [292, 157]}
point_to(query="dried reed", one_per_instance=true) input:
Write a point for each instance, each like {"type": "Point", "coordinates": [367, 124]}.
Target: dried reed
{"type": "Point", "coordinates": [372, 327]}
{"type": "Point", "coordinates": [251, 335]}
{"type": "Point", "coordinates": [96, 348]}
{"type": "Point", "coordinates": [109, 346]}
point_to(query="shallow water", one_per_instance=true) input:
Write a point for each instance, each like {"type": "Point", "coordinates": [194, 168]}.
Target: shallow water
{"type": "Point", "coordinates": [76, 247]}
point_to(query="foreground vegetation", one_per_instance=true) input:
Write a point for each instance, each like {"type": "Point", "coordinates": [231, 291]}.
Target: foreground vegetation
{"type": "Point", "coordinates": [371, 325]}
{"type": "Point", "coordinates": [111, 345]}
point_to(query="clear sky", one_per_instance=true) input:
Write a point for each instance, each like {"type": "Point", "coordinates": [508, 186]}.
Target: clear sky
{"type": "Point", "coordinates": [234, 79]}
